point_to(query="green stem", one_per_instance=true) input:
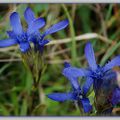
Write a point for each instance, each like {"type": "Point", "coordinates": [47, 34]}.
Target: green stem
{"type": "Point", "coordinates": [109, 53]}
{"type": "Point", "coordinates": [34, 62]}
{"type": "Point", "coordinates": [78, 107]}
{"type": "Point", "coordinates": [72, 32]}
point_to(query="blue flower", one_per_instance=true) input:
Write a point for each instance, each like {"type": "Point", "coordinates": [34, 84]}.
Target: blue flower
{"type": "Point", "coordinates": [94, 74]}
{"type": "Point", "coordinates": [115, 99]}
{"type": "Point", "coordinates": [18, 35]}
{"type": "Point", "coordinates": [39, 38]}
{"type": "Point", "coordinates": [32, 34]}
{"type": "Point", "coordinates": [77, 94]}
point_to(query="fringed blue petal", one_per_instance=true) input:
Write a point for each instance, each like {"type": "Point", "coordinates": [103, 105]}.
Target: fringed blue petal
{"type": "Point", "coordinates": [75, 72]}
{"type": "Point", "coordinates": [56, 27]}
{"type": "Point", "coordinates": [114, 62]}
{"type": "Point", "coordinates": [35, 25]}
{"type": "Point", "coordinates": [61, 96]}
{"type": "Point", "coordinates": [29, 15]}
{"type": "Point", "coordinates": [88, 83]}
{"type": "Point", "coordinates": [16, 23]}
{"type": "Point", "coordinates": [7, 42]}
{"type": "Point", "coordinates": [89, 53]}
{"type": "Point", "coordinates": [86, 105]}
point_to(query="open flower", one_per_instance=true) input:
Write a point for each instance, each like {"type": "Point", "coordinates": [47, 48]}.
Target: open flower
{"type": "Point", "coordinates": [77, 94]}
{"type": "Point", "coordinates": [39, 38]}
{"type": "Point", "coordinates": [18, 35]}
{"type": "Point", "coordinates": [32, 34]}
{"type": "Point", "coordinates": [95, 74]}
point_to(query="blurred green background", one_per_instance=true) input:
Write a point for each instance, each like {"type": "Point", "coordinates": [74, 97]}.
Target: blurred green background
{"type": "Point", "coordinates": [16, 82]}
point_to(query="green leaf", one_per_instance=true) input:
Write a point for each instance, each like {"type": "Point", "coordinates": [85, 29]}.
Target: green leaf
{"type": "Point", "coordinates": [40, 7]}
{"type": "Point", "coordinates": [24, 107]}
{"type": "Point", "coordinates": [39, 110]}
{"type": "Point", "coordinates": [84, 13]}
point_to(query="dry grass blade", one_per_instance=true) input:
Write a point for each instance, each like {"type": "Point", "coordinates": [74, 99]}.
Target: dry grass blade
{"type": "Point", "coordinates": [86, 36]}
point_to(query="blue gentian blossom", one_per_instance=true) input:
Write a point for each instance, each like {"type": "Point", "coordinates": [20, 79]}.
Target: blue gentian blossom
{"type": "Point", "coordinates": [32, 34]}
{"type": "Point", "coordinates": [18, 35]}
{"type": "Point", "coordinates": [76, 94]}
{"type": "Point", "coordinates": [94, 74]}
{"type": "Point", "coordinates": [39, 38]}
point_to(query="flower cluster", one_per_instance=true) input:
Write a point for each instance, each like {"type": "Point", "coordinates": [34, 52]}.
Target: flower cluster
{"type": "Point", "coordinates": [32, 34]}
{"type": "Point", "coordinates": [32, 54]}
{"type": "Point", "coordinates": [77, 94]}
{"type": "Point", "coordinates": [103, 78]}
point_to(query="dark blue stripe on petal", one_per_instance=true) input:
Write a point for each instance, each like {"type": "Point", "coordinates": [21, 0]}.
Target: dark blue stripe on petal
{"type": "Point", "coordinates": [7, 42]}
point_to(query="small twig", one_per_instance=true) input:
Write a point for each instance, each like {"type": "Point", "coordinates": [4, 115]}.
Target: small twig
{"type": "Point", "coordinates": [11, 60]}
{"type": "Point", "coordinates": [103, 25]}
{"type": "Point", "coordinates": [72, 34]}
{"type": "Point", "coordinates": [51, 61]}
{"type": "Point", "coordinates": [86, 36]}
{"type": "Point", "coordinates": [74, 6]}
{"type": "Point", "coordinates": [8, 48]}
{"type": "Point", "coordinates": [12, 7]}
{"type": "Point", "coordinates": [58, 52]}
